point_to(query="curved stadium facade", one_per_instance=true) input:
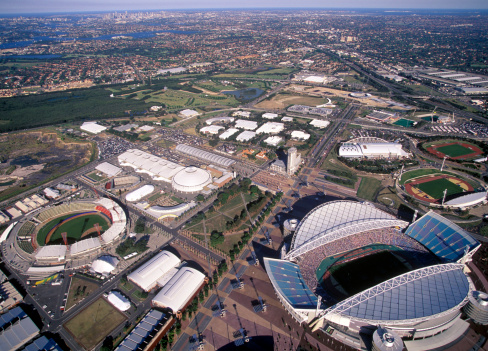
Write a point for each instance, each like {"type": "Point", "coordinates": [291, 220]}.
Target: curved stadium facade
{"type": "Point", "coordinates": [423, 299]}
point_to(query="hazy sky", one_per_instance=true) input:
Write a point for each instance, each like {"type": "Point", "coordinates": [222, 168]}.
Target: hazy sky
{"type": "Point", "coordinates": [38, 6]}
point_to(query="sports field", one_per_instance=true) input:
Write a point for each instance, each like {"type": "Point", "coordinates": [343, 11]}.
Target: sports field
{"type": "Point", "coordinates": [75, 225]}
{"type": "Point", "coordinates": [435, 188]}
{"type": "Point", "coordinates": [365, 272]}
{"type": "Point", "coordinates": [94, 323]}
{"type": "Point", "coordinates": [454, 150]}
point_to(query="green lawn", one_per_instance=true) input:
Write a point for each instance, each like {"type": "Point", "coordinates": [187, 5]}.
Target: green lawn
{"type": "Point", "coordinates": [94, 323]}
{"type": "Point", "coordinates": [368, 188]}
{"type": "Point", "coordinates": [74, 228]}
{"type": "Point", "coordinates": [454, 150]}
{"type": "Point", "coordinates": [436, 188]}
{"type": "Point", "coordinates": [418, 173]}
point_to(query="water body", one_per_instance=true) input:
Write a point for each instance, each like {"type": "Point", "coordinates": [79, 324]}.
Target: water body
{"type": "Point", "coordinates": [33, 57]}
{"type": "Point", "coordinates": [245, 94]}
{"type": "Point", "coordinates": [138, 35]}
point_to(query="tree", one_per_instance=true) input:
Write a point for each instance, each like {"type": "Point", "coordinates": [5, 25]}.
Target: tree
{"type": "Point", "coordinates": [200, 197]}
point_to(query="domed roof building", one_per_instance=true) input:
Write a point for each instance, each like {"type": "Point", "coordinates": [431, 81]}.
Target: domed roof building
{"type": "Point", "coordinates": [191, 179]}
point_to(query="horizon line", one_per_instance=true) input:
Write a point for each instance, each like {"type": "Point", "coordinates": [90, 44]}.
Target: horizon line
{"type": "Point", "coordinates": [395, 9]}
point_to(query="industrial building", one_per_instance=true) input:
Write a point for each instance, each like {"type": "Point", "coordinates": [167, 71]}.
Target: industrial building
{"type": "Point", "coordinates": [271, 128]}
{"type": "Point", "coordinates": [92, 127]}
{"type": "Point", "coordinates": [139, 193]}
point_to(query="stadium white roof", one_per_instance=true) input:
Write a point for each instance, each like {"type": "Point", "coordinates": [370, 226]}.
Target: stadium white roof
{"type": "Point", "coordinates": [467, 200]}
{"type": "Point", "coordinates": [84, 245]}
{"type": "Point", "coordinates": [414, 296]}
{"type": "Point", "coordinates": [143, 162]}
{"type": "Point", "coordinates": [335, 220]}
{"type": "Point", "coordinates": [205, 155]}
{"type": "Point", "coordinates": [104, 264]}
{"type": "Point", "coordinates": [246, 135]}
{"type": "Point", "coordinates": [92, 127]}
{"type": "Point", "coordinates": [109, 169]}
{"type": "Point", "coordinates": [139, 193]}
{"type": "Point", "coordinates": [120, 302]}
{"type": "Point", "coordinates": [147, 275]}
{"type": "Point", "coordinates": [179, 290]}
{"type": "Point", "coordinates": [271, 128]}
{"type": "Point", "coordinates": [191, 179]}
{"type": "Point", "coordinates": [244, 124]}
{"type": "Point", "coordinates": [52, 251]}
{"type": "Point", "coordinates": [228, 133]}
{"type": "Point", "coordinates": [319, 123]}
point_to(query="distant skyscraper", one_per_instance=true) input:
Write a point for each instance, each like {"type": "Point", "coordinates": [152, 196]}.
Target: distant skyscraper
{"type": "Point", "coordinates": [294, 159]}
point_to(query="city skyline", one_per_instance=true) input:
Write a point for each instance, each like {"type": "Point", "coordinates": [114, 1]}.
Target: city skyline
{"type": "Point", "coordinates": [56, 6]}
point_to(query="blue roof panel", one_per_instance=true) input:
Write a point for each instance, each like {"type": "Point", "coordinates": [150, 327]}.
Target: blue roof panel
{"type": "Point", "coordinates": [444, 238]}
{"type": "Point", "coordinates": [288, 281]}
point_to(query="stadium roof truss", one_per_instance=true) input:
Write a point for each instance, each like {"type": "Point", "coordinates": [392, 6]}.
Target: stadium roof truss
{"type": "Point", "coordinates": [461, 292]}
{"type": "Point", "coordinates": [327, 236]}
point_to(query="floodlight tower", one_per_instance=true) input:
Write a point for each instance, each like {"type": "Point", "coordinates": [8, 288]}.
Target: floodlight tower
{"type": "Point", "coordinates": [444, 197]}
{"type": "Point", "coordinates": [443, 161]}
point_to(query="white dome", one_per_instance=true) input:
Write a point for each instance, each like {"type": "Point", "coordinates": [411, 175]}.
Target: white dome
{"type": "Point", "coordinates": [105, 264]}
{"type": "Point", "coordinates": [191, 179]}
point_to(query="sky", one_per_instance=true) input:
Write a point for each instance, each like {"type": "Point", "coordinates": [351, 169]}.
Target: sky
{"type": "Point", "coordinates": [50, 6]}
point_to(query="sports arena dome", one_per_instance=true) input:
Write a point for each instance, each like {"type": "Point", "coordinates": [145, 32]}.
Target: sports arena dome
{"type": "Point", "coordinates": [191, 179]}
{"type": "Point", "coordinates": [423, 301]}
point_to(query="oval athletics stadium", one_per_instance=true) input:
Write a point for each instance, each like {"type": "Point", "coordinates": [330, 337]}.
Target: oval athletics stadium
{"type": "Point", "coordinates": [354, 271]}
{"type": "Point", "coordinates": [69, 231]}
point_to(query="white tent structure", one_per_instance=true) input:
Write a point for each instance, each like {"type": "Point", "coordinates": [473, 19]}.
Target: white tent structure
{"type": "Point", "coordinates": [118, 300]}
{"type": "Point", "coordinates": [179, 290]}
{"type": "Point", "coordinates": [147, 275]}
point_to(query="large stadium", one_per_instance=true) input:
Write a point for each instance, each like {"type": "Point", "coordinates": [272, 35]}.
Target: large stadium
{"type": "Point", "coordinates": [352, 267]}
{"type": "Point", "coordinates": [68, 231]}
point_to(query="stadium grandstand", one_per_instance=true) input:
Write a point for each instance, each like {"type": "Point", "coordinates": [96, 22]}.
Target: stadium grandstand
{"type": "Point", "coordinates": [37, 238]}
{"type": "Point", "coordinates": [352, 267]}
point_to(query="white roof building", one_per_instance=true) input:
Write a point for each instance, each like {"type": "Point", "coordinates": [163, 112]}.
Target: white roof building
{"type": "Point", "coordinates": [92, 127]}
{"type": "Point", "coordinates": [118, 300]}
{"type": "Point", "coordinates": [191, 180]}
{"type": "Point", "coordinates": [273, 140]}
{"type": "Point", "coordinates": [204, 155]}
{"type": "Point", "coordinates": [143, 162]}
{"type": "Point", "coordinates": [147, 275]}
{"type": "Point", "coordinates": [465, 201]}
{"type": "Point", "coordinates": [372, 150]}
{"type": "Point", "coordinates": [271, 128]}
{"type": "Point", "coordinates": [145, 128]}
{"type": "Point", "coordinates": [52, 193]}
{"type": "Point", "coordinates": [269, 115]}
{"type": "Point", "coordinates": [228, 133]}
{"type": "Point", "coordinates": [298, 134]}
{"type": "Point", "coordinates": [220, 119]}
{"type": "Point", "coordinates": [104, 264]}
{"type": "Point", "coordinates": [109, 169]}
{"type": "Point", "coordinates": [245, 114]}
{"type": "Point", "coordinates": [319, 123]}
{"type": "Point", "coordinates": [211, 129]}
{"type": "Point", "coordinates": [287, 119]}
{"type": "Point", "coordinates": [246, 136]}
{"type": "Point", "coordinates": [243, 124]}
{"type": "Point", "coordinates": [189, 113]}
{"type": "Point", "coordinates": [179, 290]}
{"type": "Point", "coordinates": [139, 193]}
